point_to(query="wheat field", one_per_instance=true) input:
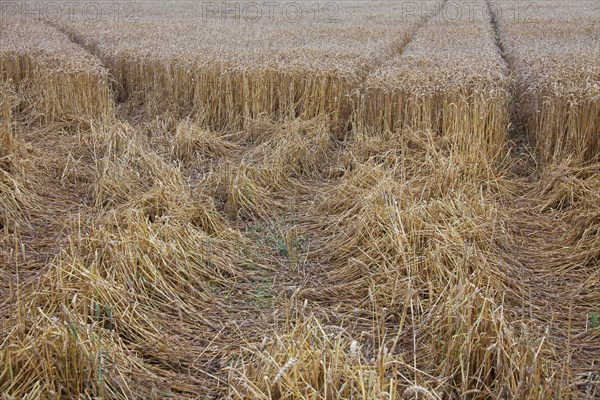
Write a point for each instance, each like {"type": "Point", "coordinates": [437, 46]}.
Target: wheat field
{"type": "Point", "coordinates": [300, 200]}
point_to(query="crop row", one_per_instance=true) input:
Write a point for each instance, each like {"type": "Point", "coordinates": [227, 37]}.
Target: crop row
{"type": "Point", "coordinates": [451, 79]}
{"type": "Point", "coordinates": [60, 81]}
{"type": "Point", "coordinates": [556, 59]}
{"type": "Point", "coordinates": [382, 66]}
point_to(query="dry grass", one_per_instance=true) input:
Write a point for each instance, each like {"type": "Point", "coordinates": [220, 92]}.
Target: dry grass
{"type": "Point", "coordinates": [427, 281]}
{"type": "Point", "coordinates": [8, 103]}
{"type": "Point", "coordinates": [299, 148]}
{"type": "Point", "coordinates": [16, 197]}
{"type": "Point", "coordinates": [191, 142]}
{"type": "Point", "coordinates": [245, 190]}
{"type": "Point", "coordinates": [309, 358]}
{"type": "Point", "coordinates": [137, 258]}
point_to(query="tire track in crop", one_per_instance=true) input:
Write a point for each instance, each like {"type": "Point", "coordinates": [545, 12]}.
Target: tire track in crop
{"type": "Point", "coordinates": [501, 49]}
{"type": "Point", "coordinates": [557, 278]}
{"type": "Point", "coordinates": [115, 85]}
{"type": "Point", "coordinates": [542, 236]}
{"type": "Point", "coordinates": [119, 93]}
{"type": "Point", "coordinates": [75, 39]}
{"type": "Point", "coordinates": [419, 27]}
{"type": "Point", "coordinates": [517, 133]}
{"type": "Point", "coordinates": [53, 147]}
